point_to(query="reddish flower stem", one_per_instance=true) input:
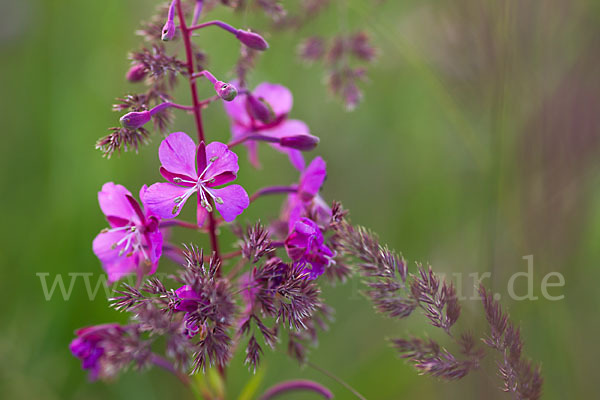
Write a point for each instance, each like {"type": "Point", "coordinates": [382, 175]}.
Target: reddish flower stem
{"type": "Point", "coordinates": [262, 138]}
{"type": "Point", "coordinates": [183, 224]}
{"type": "Point", "coordinates": [284, 388]}
{"type": "Point", "coordinates": [272, 190]}
{"type": "Point", "coordinates": [187, 42]}
{"type": "Point", "coordinates": [220, 24]}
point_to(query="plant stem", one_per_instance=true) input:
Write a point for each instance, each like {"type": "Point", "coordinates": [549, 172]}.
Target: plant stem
{"type": "Point", "coordinates": [166, 365]}
{"type": "Point", "coordinates": [338, 380]}
{"type": "Point", "coordinates": [272, 190]}
{"type": "Point", "coordinates": [296, 385]}
{"type": "Point", "coordinates": [262, 138]}
{"type": "Point", "coordinates": [183, 224]}
{"type": "Point", "coordinates": [187, 34]}
{"type": "Point", "coordinates": [220, 24]}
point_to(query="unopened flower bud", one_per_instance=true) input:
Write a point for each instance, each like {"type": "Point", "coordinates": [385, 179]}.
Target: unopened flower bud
{"type": "Point", "coordinates": [135, 120]}
{"type": "Point", "coordinates": [299, 142]}
{"type": "Point", "coordinates": [226, 91]}
{"type": "Point", "coordinates": [259, 109]}
{"type": "Point", "coordinates": [252, 40]}
{"type": "Point", "coordinates": [168, 32]}
{"type": "Point", "coordinates": [136, 73]}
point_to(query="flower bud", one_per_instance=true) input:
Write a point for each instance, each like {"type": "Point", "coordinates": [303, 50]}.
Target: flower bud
{"type": "Point", "coordinates": [226, 91]}
{"type": "Point", "coordinates": [135, 120]}
{"type": "Point", "coordinates": [136, 73]}
{"type": "Point", "coordinates": [259, 109]}
{"type": "Point", "coordinates": [168, 32]}
{"type": "Point", "coordinates": [299, 142]}
{"type": "Point", "coordinates": [252, 40]}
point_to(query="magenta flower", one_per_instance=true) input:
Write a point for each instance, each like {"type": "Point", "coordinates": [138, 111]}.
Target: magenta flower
{"type": "Point", "coordinates": [189, 303]}
{"type": "Point", "coordinates": [305, 243]}
{"type": "Point", "coordinates": [196, 169]}
{"type": "Point", "coordinates": [88, 346]}
{"type": "Point", "coordinates": [133, 243]}
{"type": "Point", "coordinates": [265, 112]}
{"type": "Point", "coordinates": [307, 199]}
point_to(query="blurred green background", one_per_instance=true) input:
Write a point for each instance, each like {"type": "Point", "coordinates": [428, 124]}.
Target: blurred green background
{"type": "Point", "coordinates": [477, 144]}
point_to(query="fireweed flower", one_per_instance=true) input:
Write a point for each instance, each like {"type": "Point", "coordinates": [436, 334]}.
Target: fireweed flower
{"type": "Point", "coordinates": [265, 112]}
{"type": "Point", "coordinates": [307, 196]}
{"type": "Point", "coordinates": [305, 243]}
{"type": "Point", "coordinates": [196, 169]}
{"type": "Point", "coordinates": [88, 346]}
{"type": "Point", "coordinates": [168, 31]}
{"type": "Point", "coordinates": [133, 243]}
{"type": "Point", "coordinates": [189, 302]}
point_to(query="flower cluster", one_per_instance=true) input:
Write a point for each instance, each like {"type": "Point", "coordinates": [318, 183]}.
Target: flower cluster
{"type": "Point", "coordinates": [272, 282]}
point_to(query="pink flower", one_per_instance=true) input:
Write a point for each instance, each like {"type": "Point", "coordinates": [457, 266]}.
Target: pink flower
{"type": "Point", "coordinates": [190, 301]}
{"type": "Point", "coordinates": [265, 112]}
{"type": "Point", "coordinates": [307, 199]}
{"type": "Point", "coordinates": [88, 346]}
{"type": "Point", "coordinates": [305, 243]}
{"type": "Point", "coordinates": [133, 243]}
{"type": "Point", "coordinates": [196, 169]}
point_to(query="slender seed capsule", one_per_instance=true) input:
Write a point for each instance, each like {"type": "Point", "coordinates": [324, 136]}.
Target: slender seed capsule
{"type": "Point", "coordinates": [136, 119]}
{"type": "Point", "coordinates": [252, 40]}
{"type": "Point", "coordinates": [168, 32]}
{"type": "Point", "coordinates": [136, 73]}
{"type": "Point", "coordinates": [299, 142]}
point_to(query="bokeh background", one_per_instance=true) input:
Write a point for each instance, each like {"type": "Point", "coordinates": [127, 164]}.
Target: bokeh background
{"type": "Point", "coordinates": [477, 144]}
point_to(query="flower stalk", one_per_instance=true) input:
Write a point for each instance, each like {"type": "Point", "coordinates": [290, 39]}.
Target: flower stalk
{"type": "Point", "coordinates": [187, 42]}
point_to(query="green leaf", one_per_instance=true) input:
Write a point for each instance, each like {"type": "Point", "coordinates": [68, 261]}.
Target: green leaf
{"type": "Point", "coordinates": [249, 391]}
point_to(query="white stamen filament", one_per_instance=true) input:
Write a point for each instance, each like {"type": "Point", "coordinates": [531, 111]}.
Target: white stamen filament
{"type": "Point", "coordinates": [133, 241]}
{"type": "Point", "coordinates": [179, 180]}
{"type": "Point", "coordinates": [184, 197]}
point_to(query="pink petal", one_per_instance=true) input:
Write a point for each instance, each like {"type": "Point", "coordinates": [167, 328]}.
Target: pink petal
{"type": "Point", "coordinates": [117, 270]}
{"type": "Point", "coordinates": [115, 265]}
{"type": "Point", "coordinates": [252, 147]}
{"type": "Point", "coordinates": [160, 199]}
{"type": "Point", "coordinates": [235, 201]}
{"type": "Point", "coordinates": [155, 242]}
{"type": "Point", "coordinates": [201, 214]}
{"type": "Point", "coordinates": [143, 192]}
{"type": "Point", "coordinates": [296, 158]}
{"type": "Point", "coordinates": [136, 207]}
{"type": "Point", "coordinates": [177, 153]}
{"type": "Point", "coordinates": [279, 97]}
{"type": "Point", "coordinates": [201, 161]}
{"type": "Point", "coordinates": [294, 210]}
{"type": "Point", "coordinates": [171, 177]}
{"type": "Point", "coordinates": [103, 245]}
{"type": "Point", "coordinates": [113, 202]}
{"type": "Point", "coordinates": [312, 179]}
{"type": "Point", "coordinates": [238, 131]}
{"type": "Point", "coordinates": [226, 160]}
{"type": "Point", "coordinates": [288, 127]}
{"type": "Point", "coordinates": [222, 179]}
